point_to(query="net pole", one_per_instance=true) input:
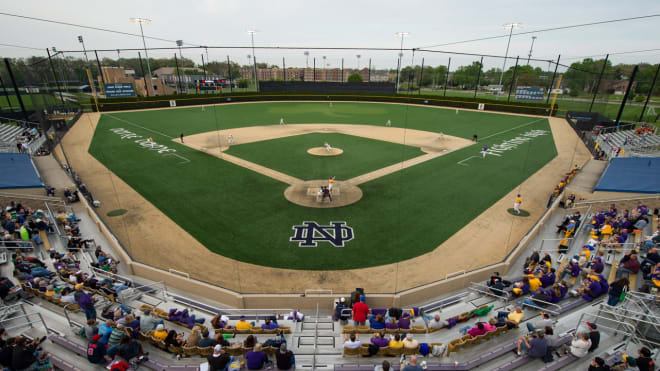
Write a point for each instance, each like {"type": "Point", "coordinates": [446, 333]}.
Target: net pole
{"type": "Point", "coordinates": [4, 89]}
{"type": "Point", "coordinates": [554, 97]}
{"type": "Point", "coordinates": [513, 79]}
{"type": "Point", "coordinates": [648, 96]}
{"type": "Point", "coordinates": [231, 81]}
{"type": "Point", "coordinates": [52, 67]}
{"type": "Point", "coordinates": [625, 96]}
{"type": "Point", "coordinates": [553, 79]}
{"type": "Point", "coordinates": [447, 76]}
{"type": "Point", "coordinates": [421, 75]}
{"type": "Point", "coordinates": [476, 87]}
{"type": "Point", "coordinates": [602, 71]}
{"type": "Point", "coordinates": [18, 95]}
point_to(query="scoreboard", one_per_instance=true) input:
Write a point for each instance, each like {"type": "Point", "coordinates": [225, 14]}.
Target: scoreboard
{"type": "Point", "coordinates": [205, 85]}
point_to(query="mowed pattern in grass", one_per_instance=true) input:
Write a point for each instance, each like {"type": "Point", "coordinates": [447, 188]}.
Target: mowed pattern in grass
{"type": "Point", "coordinates": [401, 215]}
{"type": "Point", "coordinates": [289, 155]}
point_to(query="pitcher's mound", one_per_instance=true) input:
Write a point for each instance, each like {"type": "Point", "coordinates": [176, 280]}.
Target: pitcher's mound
{"type": "Point", "coordinates": [321, 151]}
{"type": "Point", "coordinates": [306, 194]}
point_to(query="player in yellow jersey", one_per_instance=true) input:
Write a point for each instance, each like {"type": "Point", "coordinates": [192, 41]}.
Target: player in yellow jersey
{"type": "Point", "coordinates": [516, 205]}
{"type": "Point", "coordinates": [330, 182]}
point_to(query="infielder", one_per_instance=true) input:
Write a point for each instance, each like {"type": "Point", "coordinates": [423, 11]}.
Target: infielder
{"type": "Point", "coordinates": [282, 121]}
{"type": "Point", "coordinates": [483, 151]}
{"type": "Point", "coordinates": [151, 141]}
{"type": "Point", "coordinates": [230, 139]}
{"type": "Point", "coordinates": [516, 205]}
{"type": "Point", "coordinates": [388, 123]}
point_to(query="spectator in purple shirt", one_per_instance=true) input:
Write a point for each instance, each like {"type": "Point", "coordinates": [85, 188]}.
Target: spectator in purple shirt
{"type": "Point", "coordinates": [269, 325]}
{"type": "Point", "coordinates": [404, 322]}
{"type": "Point", "coordinates": [85, 302]}
{"type": "Point", "coordinates": [391, 325]}
{"type": "Point", "coordinates": [256, 359]}
{"type": "Point", "coordinates": [548, 279]}
{"type": "Point", "coordinates": [380, 340]}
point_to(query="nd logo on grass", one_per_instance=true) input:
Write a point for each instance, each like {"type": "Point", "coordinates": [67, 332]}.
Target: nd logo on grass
{"type": "Point", "coordinates": [309, 233]}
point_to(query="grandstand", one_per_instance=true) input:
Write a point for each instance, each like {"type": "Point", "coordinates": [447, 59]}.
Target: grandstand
{"type": "Point", "coordinates": [317, 340]}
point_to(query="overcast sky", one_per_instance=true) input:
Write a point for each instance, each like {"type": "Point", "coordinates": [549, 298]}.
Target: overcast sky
{"type": "Point", "coordinates": [339, 23]}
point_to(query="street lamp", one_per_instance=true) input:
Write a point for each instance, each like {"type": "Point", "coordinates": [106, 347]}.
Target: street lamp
{"type": "Point", "coordinates": [80, 40]}
{"type": "Point", "coordinates": [142, 21]}
{"type": "Point", "coordinates": [510, 27]}
{"type": "Point", "coordinates": [306, 59]}
{"type": "Point", "coordinates": [358, 61]}
{"type": "Point", "coordinates": [398, 77]}
{"type": "Point", "coordinates": [252, 32]}
{"type": "Point", "coordinates": [529, 56]}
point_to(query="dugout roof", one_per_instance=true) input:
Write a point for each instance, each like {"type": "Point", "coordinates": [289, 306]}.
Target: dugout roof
{"type": "Point", "coordinates": [635, 175]}
{"type": "Point", "coordinates": [18, 171]}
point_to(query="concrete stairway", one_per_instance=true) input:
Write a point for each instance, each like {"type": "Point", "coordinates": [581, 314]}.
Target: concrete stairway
{"type": "Point", "coordinates": [8, 133]}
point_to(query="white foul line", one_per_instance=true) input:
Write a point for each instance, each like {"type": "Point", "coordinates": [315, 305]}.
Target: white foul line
{"type": "Point", "coordinates": [513, 128]}
{"type": "Point", "coordinates": [181, 157]}
{"type": "Point", "coordinates": [460, 162]}
{"type": "Point", "coordinates": [141, 127]}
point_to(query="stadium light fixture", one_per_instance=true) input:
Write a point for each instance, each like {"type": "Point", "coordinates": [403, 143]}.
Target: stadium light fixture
{"type": "Point", "coordinates": [80, 40]}
{"type": "Point", "coordinates": [306, 53]}
{"type": "Point", "coordinates": [252, 32]}
{"type": "Point", "coordinates": [179, 43]}
{"type": "Point", "coordinates": [529, 56]}
{"type": "Point", "coordinates": [510, 27]}
{"type": "Point", "coordinates": [398, 77]}
{"type": "Point", "coordinates": [142, 21]}
{"type": "Point", "coordinates": [358, 61]}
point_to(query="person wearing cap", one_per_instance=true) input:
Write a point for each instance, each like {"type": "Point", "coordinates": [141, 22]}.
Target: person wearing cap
{"type": "Point", "coordinates": [85, 302]}
{"type": "Point", "coordinates": [285, 359]}
{"type": "Point", "coordinates": [544, 322]}
{"type": "Point", "coordinates": [341, 305]}
{"type": "Point", "coordinates": [360, 312]}
{"type": "Point", "coordinates": [148, 322]}
{"type": "Point", "coordinates": [97, 351]}
{"type": "Point", "coordinates": [380, 340]}
{"type": "Point", "coordinates": [219, 360]}
{"type": "Point", "coordinates": [242, 324]}
{"type": "Point", "coordinates": [573, 269]}
{"type": "Point", "coordinates": [536, 345]}
{"type": "Point", "coordinates": [594, 336]}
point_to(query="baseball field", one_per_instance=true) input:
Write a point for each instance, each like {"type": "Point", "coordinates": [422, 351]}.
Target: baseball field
{"type": "Point", "coordinates": [421, 179]}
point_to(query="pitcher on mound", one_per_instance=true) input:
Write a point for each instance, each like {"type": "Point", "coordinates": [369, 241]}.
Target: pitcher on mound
{"type": "Point", "coordinates": [327, 147]}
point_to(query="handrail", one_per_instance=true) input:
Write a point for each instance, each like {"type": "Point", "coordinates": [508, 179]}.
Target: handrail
{"type": "Point", "coordinates": [28, 322]}
{"type": "Point", "coordinates": [553, 239]}
{"type": "Point", "coordinates": [319, 291]}
{"type": "Point", "coordinates": [30, 197]}
{"type": "Point", "coordinates": [316, 335]}
{"type": "Point", "coordinates": [455, 274]}
{"type": "Point", "coordinates": [621, 199]}
{"type": "Point", "coordinates": [114, 276]}
{"type": "Point", "coordinates": [580, 228]}
{"type": "Point", "coordinates": [22, 244]}
{"type": "Point", "coordinates": [556, 313]}
{"type": "Point", "coordinates": [66, 314]}
{"type": "Point", "coordinates": [505, 295]}
{"type": "Point", "coordinates": [174, 271]}
{"type": "Point", "coordinates": [54, 220]}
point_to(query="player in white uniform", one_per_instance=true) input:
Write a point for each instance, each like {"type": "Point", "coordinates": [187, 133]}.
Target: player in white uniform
{"type": "Point", "coordinates": [388, 123]}
{"type": "Point", "coordinates": [327, 147]}
{"type": "Point", "coordinates": [151, 141]}
{"type": "Point", "coordinates": [230, 139]}
{"type": "Point", "coordinates": [484, 151]}
{"type": "Point", "coordinates": [282, 121]}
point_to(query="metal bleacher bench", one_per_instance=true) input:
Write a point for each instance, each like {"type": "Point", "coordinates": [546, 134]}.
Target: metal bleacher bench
{"type": "Point", "coordinates": [151, 364]}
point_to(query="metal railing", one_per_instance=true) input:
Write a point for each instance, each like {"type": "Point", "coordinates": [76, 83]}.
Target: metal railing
{"type": "Point", "coordinates": [615, 200]}
{"type": "Point", "coordinates": [20, 196]}
{"type": "Point", "coordinates": [30, 320]}
{"type": "Point", "coordinates": [554, 249]}
{"type": "Point", "coordinates": [553, 312]}
{"type": "Point", "coordinates": [316, 335]}
{"type": "Point", "coordinates": [318, 292]}
{"type": "Point", "coordinates": [483, 289]}
{"type": "Point", "coordinates": [68, 318]}
{"type": "Point", "coordinates": [138, 291]}
{"type": "Point", "coordinates": [8, 310]}
{"type": "Point", "coordinates": [16, 245]}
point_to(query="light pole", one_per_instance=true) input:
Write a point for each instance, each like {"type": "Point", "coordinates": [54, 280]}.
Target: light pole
{"type": "Point", "coordinates": [510, 27]}
{"type": "Point", "coordinates": [179, 43]}
{"type": "Point", "coordinates": [62, 69]}
{"type": "Point", "coordinates": [529, 56]}
{"type": "Point", "coordinates": [141, 21]}
{"type": "Point", "coordinates": [325, 73]}
{"type": "Point", "coordinates": [358, 62]}
{"type": "Point", "coordinates": [252, 32]}
{"type": "Point", "coordinates": [80, 40]}
{"type": "Point", "coordinates": [398, 77]}
{"type": "Point", "coordinates": [306, 59]}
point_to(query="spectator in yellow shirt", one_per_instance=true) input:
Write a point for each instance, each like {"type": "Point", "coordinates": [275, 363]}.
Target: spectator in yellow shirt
{"type": "Point", "coordinates": [242, 324]}
{"type": "Point", "coordinates": [396, 342]}
{"type": "Point", "coordinates": [534, 283]}
{"type": "Point", "coordinates": [160, 333]}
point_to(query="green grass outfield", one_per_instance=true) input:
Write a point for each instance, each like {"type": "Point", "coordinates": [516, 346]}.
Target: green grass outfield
{"type": "Point", "coordinates": [289, 155]}
{"type": "Point", "coordinates": [243, 215]}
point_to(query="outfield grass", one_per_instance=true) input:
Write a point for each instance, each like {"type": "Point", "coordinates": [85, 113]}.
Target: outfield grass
{"type": "Point", "coordinates": [400, 216]}
{"type": "Point", "coordinates": [289, 155]}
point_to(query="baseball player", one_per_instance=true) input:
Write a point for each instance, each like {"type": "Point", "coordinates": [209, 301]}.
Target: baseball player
{"type": "Point", "coordinates": [151, 141]}
{"type": "Point", "coordinates": [326, 193]}
{"type": "Point", "coordinates": [475, 138]}
{"type": "Point", "coordinates": [281, 120]}
{"type": "Point", "coordinates": [388, 123]}
{"type": "Point", "coordinates": [483, 151]}
{"type": "Point", "coordinates": [230, 139]}
{"type": "Point", "coordinates": [327, 147]}
{"type": "Point", "coordinates": [203, 109]}
{"type": "Point", "coordinates": [516, 205]}
{"type": "Point", "coordinates": [330, 182]}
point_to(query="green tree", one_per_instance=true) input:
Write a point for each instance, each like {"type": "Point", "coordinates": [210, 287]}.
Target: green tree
{"type": "Point", "coordinates": [355, 77]}
{"type": "Point", "coordinates": [466, 76]}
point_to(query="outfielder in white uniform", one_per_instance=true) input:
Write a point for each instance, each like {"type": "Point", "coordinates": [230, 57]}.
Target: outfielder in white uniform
{"type": "Point", "coordinates": [388, 123]}
{"type": "Point", "coordinates": [151, 141]}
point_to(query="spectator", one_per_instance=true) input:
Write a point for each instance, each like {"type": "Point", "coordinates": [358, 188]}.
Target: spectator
{"type": "Point", "coordinates": [573, 269]}
{"type": "Point", "coordinates": [377, 322]}
{"type": "Point", "coordinates": [97, 351]}
{"type": "Point", "coordinates": [85, 302]}
{"type": "Point", "coordinates": [219, 360]}
{"type": "Point", "coordinates": [219, 321]}
{"type": "Point", "coordinates": [105, 330]}
{"type": "Point", "coordinates": [533, 259]}
{"type": "Point", "coordinates": [385, 366]}
{"type": "Point", "coordinates": [132, 323]}
{"type": "Point", "coordinates": [598, 364]}
{"type": "Point", "coordinates": [480, 329]}
{"type": "Point", "coordinates": [594, 336]}
{"type": "Point", "coordinates": [380, 340]}
{"type": "Point", "coordinates": [553, 340]}
{"type": "Point", "coordinates": [7, 351]}
{"type": "Point", "coordinates": [544, 322]}
{"type": "Point", "coordinates": [130, 348]}
{"type": "Point", "coordinates": [205, 341]}
{"type": "Point", "coordinates": [193, 338]}
{"type": "Point", "coordinates": [91, 329]}
{"type": "Point", "coordinates": [404, 321]}
{"type": "Point", "coordinates": [269, 325]}
{"type": "Point", "coordinates": [410, 343]}
{"type": "Point", "coordinates": [25, 353]}
{"type": "Point", "coordinates": [436, 322]}
{"type": "Point", "coordinates": [148, 322]}
{"type": "Point", "coordinates": [115, 336]}
{"type": "Point", "coordinates": [353, 342]}
{"type": "Point", "coordinates": [534, 283]}
{"type": "Point", "coordinates": [536, 345]}
{"type": "Point", "coordinates": [511, 319]}
{"type": "Point", "coordinates": [360, 311]}
{"type": "Point", "coordinates": [242, 324]}
{"type": "Point", "coordinates": [579, 346]}
{"type": "Point", "coordinates": [255, 359]}
{"type": "Point", "coordinates": [284, 359]}
{"type": "Point", "coordinates": [616, 289]}
{"type": "Point", "coordinates": [413, 366]}
{"type": "Point", "coordinates": [548, 279]}
{"type": "Point", "coordinates": [250, 341]}
{"type": "Point", "coordinates": [395, 341]}
{"type": "Point", "coordinates": [339, 309]}
{"type": "Point", "coordinates": [495, 284]}
{"type": "Point", "coordinates": [629, 264]}
{"type": "Point", "coordinates": [173, 339]}
{"type": "Point", "coordinates": [644, 361]}
{"type": "Point", "coordinates": [522, 287]}
{"type": "Point", "coordinates": [9, 291]}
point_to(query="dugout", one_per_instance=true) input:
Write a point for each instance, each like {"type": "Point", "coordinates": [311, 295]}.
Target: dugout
{"type": "Point", "coordinates": [586, 121]}
{"type": "Point", "coordinates": [632, 175]}
{"type": "Point", "coordinates": [326, 87]}
{"type": "Point", "coordinates": [18, 175]}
